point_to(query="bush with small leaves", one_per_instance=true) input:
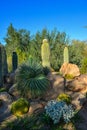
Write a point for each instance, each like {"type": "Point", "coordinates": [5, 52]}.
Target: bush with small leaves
{"type": "Point", "coordinates": [57, 110]}
{"type": "Point", "coordinates": [64, 97]}
{"type": "Point", "coordinates": [20, 107]}
{"type": "Point", "coordinates": [69, 76]}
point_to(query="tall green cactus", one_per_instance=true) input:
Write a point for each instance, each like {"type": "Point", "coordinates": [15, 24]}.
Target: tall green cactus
{"type": "Point", "coordinates": [1, 83]}
{"type": "Point", "coordinates": [14, 61]}
{"type": "Point", "coordinates": [3, 64]}
{"type": "Point", "coordinates": [4, 61]}
{"type": "Point", "coordinates": [45, 53]}
{"type": "Point", "coordinates": [66, 55]}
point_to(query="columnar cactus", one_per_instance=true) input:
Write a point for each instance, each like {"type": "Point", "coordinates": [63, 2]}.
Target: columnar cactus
{"type": "Point", "coordinates": [0, 67]}
{"type": "Point", "coordinates": [3, 64]}
{"type": "Point", "coordinates": [14, 61]}
{"type": "Point", "coordinates": [66, 55]}
{"type": "Point", "coordinates": [4, 61]}
{"type": "Point", "coordinates": [45, 53]}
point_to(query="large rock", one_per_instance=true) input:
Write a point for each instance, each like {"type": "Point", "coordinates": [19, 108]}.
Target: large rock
{"type": "Point", "coordinates": [5, 108]}
{"type": "Point", "coordinates": [14, 92]}
{"type": "Point", "coordinates": [56, 86]}
{"type": "Point", "coordinates": [81, 124]}
{"type": "Point", "coordinates": [70, 69]}
{"type": "Point", "coordinates": [35, 107]}
{"type": "Point", "coordinates": [79, 84]}
{"type": "Point", "coordinates": [5, 97]}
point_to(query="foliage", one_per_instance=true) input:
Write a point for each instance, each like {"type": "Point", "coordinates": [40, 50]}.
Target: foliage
{"type": "Point", "coordinates": [45, 53]}
{"type": "Point", "coordinates": [64, 97]}
{"type": "Point", "coordinates": [66, 55]}
{"type": "Point", "coordinates": [84, 66]}
{"type": "Point", "coordinates": [76, 55]}
{"type": "Point", "coordinates": [20, 107]}
{"type": "Point", "coordinates": [57, 110]}
{"type": "Point", "coordinates": [38, 121]}
{"type": "Point", "coordinates": [24, 44]}
{"type": "Point", "coordinates": [2, 89]}
{"type": "Point", "coordinates": [31, 80]}
{"type": "Point", "coordinates": [69, 76]}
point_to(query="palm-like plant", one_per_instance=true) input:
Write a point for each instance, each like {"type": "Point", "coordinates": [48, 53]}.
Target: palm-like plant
{"type": "Point", "coordinates": [30, 79]}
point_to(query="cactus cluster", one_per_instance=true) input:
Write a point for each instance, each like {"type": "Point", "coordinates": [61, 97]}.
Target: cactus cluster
{"type": "Point", "coordinates": [45, 53]}
{"type": "Point", "coordinates": [3, 64]}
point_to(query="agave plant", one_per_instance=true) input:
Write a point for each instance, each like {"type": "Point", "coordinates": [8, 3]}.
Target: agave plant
{"type": "Point", "coordinates": [30, 79]}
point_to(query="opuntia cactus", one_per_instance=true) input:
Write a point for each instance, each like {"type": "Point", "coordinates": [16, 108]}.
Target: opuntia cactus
{"type": "Point", "coordinates": [45, 53]}
{"type": "Point", "coordinates": [66, 55]}
{"type": "Point", "coordinates": [14, 61]}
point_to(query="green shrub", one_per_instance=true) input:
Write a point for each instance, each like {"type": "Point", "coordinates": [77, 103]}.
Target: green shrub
{"type": "Point", "coordinates": [3, 89]}
{"type": "Point", "coordinates": [20, 107]}
{"type": "Point", "coordinates": [30, 79]}
{"type": "Point", "coordinates": [64, 97]}
{"type": "Point", "coordinates": [69, 76]}
{"type": "Point", "coordinates": [84, 66]}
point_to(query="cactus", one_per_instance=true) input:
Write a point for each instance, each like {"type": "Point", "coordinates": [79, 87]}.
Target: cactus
{"type": "Point", "coordinates": [4, 61]}
{"type": "Point", "coordinates": [45, 53]}
{"type": "Point", "coordinates": [66, 55]}
{"type": "Point", "coordinates": [3, 64]}
{"type": "Point", "coordinates": [14, 61]}
{"type": "Point", "coordinates": [0, 67]}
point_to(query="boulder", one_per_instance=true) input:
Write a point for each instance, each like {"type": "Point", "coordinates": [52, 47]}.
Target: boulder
{"type": "Point", "coordinates": [79, 84]}
{"type": "Point", "coordinates": [35, 107]}
{"type": "Point", "coordinates": [5, 107]}
{"type": "Point", "coordinates": [5, 97]}
{"type": "Point", "coordinates": [78, 99]}
{"type": "Point", "coordinates": [81, 124]}
{"type": "Point", "coordinates": [9, 80]}
{"type": "Point", "coordinates": [56, 87]}
{"type": "Point", "coordinates": [14, 92]}
{"type": "Point", "coordinates": [70, 69]}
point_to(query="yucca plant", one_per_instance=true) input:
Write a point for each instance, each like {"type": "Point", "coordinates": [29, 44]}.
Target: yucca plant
{"type": "Point", "coordinates": [30, 79]}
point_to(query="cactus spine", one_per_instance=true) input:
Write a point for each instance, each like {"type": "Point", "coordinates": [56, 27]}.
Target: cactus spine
{"type": "Point", "coordinates": [66, 55]}
{"type": "Point", "coordinates": [45, 53]}
{"type": "Point", "coordinates": [3, 64]}
{"type": "Point", "coordinates": [14, 61]}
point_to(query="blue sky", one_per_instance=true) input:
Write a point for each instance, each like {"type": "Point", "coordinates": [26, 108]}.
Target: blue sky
{"type": "Point", "coordinates": [66, 15]}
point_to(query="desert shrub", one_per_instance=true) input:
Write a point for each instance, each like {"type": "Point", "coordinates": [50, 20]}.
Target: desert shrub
{"type": "Point", "coordinates": [64, 97]}
{"type": "Point", "coordinates": [20, 107]}
{"type": "Point", "coordinates": [69, 76]}
{"type": "Point", "coordinates": [30, 79]}
{"type": "Point", "coordinates": [83, 69]}
{"type": "Point", "coordinates": [59, 110]}
{"type": "Point", "coordinates": [39, 121]}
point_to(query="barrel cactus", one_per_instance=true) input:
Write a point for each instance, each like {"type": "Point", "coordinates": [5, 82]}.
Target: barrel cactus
{"type": "Point", "coordinates": [20, 107]}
